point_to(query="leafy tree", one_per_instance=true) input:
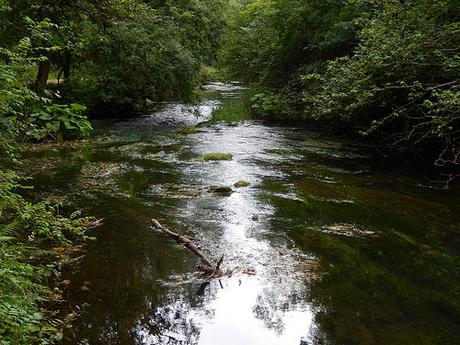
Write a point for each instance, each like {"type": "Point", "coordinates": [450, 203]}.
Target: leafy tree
{"type": "Point", "coordinates": [272, 41]}
{"type": "Point", "coordinates": [387, 70]}
{"type": "Point", "coordinates": [401, 82]}
{"type": "Point", "coordinates": [24, 113]}
{"type": "Point", "coordinates": [115, 54]}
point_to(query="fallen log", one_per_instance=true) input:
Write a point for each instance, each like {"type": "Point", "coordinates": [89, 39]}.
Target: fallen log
{"type": "Point", "coordinates": [210, 268]}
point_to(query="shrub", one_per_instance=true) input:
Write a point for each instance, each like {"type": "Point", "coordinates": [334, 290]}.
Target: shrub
{"type": "Point", "coordinates": [59, 121]}
{"type": "Point", "coordinates": [25, 269]}
{"type": "Point", "coordinates": [400, 84]}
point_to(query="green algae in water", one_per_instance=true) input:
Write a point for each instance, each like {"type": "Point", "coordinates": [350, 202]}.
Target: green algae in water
{"type": "Point", "coordinates": [215, 156]}
{"type": "Point", "coordinates": [391, 279]}
{"type": "Point", "coordinates": [390, 288]}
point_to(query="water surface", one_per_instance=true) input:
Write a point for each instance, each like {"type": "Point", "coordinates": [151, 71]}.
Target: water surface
{"type": "Point", "coordinates": [344, 251]}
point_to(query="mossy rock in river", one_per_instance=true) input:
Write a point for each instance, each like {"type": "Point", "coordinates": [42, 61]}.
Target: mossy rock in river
{"type": "Point", "coordinates": [187, 131]}
{"type": "Point", "coordinates": [214, 156]}
{"type": "Point", "coordinates": [221, 190]}
{"type": "Point", "coordinates": [242, 183]}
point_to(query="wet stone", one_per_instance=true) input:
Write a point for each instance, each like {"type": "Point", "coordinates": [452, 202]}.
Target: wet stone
{"type": "Point", "coordinates": [346, 230]}
{"type": "Point", "coordinates": [242, 183]}
{"type": "Point", "coordinates": [221, 190]}
{"type": "Point", "coordinates": [187, 131]}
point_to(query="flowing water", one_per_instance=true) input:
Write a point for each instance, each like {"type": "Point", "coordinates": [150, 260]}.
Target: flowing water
{"type": "Point", "coordinates": [344, 252]}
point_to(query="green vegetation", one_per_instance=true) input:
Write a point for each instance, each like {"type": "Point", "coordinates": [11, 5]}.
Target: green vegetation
{"type": "Point", "coordinates": [231, 111]}
{"type": "Point", "coordinates": [215, 156]}
{"type": "Point", "coordinates": [386, 70]}
{"type": "Point", "coordinates": [28, 231]}
{"type": "Point", "coordinates": [26, 113]}
{"type": "Point", "coordinates": [113, 56]}
{"type": "Point", "coordinates": [209, 74]}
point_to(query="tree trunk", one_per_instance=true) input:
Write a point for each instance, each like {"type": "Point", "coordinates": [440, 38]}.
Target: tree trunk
{"type": "Point", "coordinates": [67, 62]}
{"type": "Point", "coordinates": [44, 69]}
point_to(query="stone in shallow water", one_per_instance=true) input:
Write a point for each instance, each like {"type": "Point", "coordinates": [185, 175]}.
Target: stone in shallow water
{"type": "Point", "coordinates": [242, 183]}
{"type": "Point", "coordinates": [221, 190]}
{"type": "Point", "coordinates": [187, 131]}
{"type": "Point", "coordinates": [346, 230]}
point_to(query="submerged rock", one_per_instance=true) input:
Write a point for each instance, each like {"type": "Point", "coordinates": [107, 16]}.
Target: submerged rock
{"type": "Point", "coordinates": [242, 183]}
{"type": "Point", "coordinates": [178, 191]}
{"type": "Point", "coordinates": [187, 131]}
{"type": "Point", "coordinates": [221, 190]}
{"type": "Point", "coordinates": [346, 230]}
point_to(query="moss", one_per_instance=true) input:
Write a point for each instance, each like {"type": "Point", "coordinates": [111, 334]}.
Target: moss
{"type": "Point", "coordinates": [214, 156]}
{"type": "Point", "coordinates": [187, 131]}
{"type": "Point", "coordinates": [242, 183]}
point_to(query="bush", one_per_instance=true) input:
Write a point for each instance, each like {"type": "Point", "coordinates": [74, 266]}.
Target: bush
{"type": "Point", "coordinates": [24, 114]}
{"type": "Point", "coordinates": [400, 85]}
{"type": "Point", "coordinates": [59, 121]}
{"type": "Point", "coordinates": [25, 269]}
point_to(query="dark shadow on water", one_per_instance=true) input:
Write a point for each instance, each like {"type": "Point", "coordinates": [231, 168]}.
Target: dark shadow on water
{"type": "Point", "coordinates": [344, 253]}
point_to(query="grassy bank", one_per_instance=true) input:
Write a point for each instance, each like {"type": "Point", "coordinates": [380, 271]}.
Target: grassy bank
{"type": "Point", "coordinates": [232, 111]}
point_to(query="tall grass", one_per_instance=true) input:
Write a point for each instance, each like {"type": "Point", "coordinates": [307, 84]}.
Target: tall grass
{"type": "Point", "coordinates": [231, 111]}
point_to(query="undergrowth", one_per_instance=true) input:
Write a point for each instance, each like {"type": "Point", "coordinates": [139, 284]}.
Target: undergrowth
{"type": "Point", "coordinates": [28, 264]}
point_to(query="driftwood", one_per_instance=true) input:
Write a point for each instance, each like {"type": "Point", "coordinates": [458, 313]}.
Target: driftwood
{"type": "Point", "coordinates": [213, 270]}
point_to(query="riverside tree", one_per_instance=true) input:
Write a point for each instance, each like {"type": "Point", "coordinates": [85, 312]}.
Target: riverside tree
{"type": "Point", "coordinates": [386, 70]}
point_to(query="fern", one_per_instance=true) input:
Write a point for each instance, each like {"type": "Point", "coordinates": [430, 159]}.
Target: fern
{"type": "Point", "coordinates": [23, 285]}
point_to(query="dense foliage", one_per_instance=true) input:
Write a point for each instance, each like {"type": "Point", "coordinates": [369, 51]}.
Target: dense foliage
{"type": "Point", "coordinates": [387, 70]}
{"type": "Point", "coordinates": [268, 40]}
{"type": "Point", "coordinates": [27, 232]}
{"type": "Point", "coordinates": [117, 55]}
{"type": "Point", "coordinates": [25, 113]}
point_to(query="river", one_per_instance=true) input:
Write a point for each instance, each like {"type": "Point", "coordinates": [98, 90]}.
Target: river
{"type": "Point", "coordinates": [344, 251]}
